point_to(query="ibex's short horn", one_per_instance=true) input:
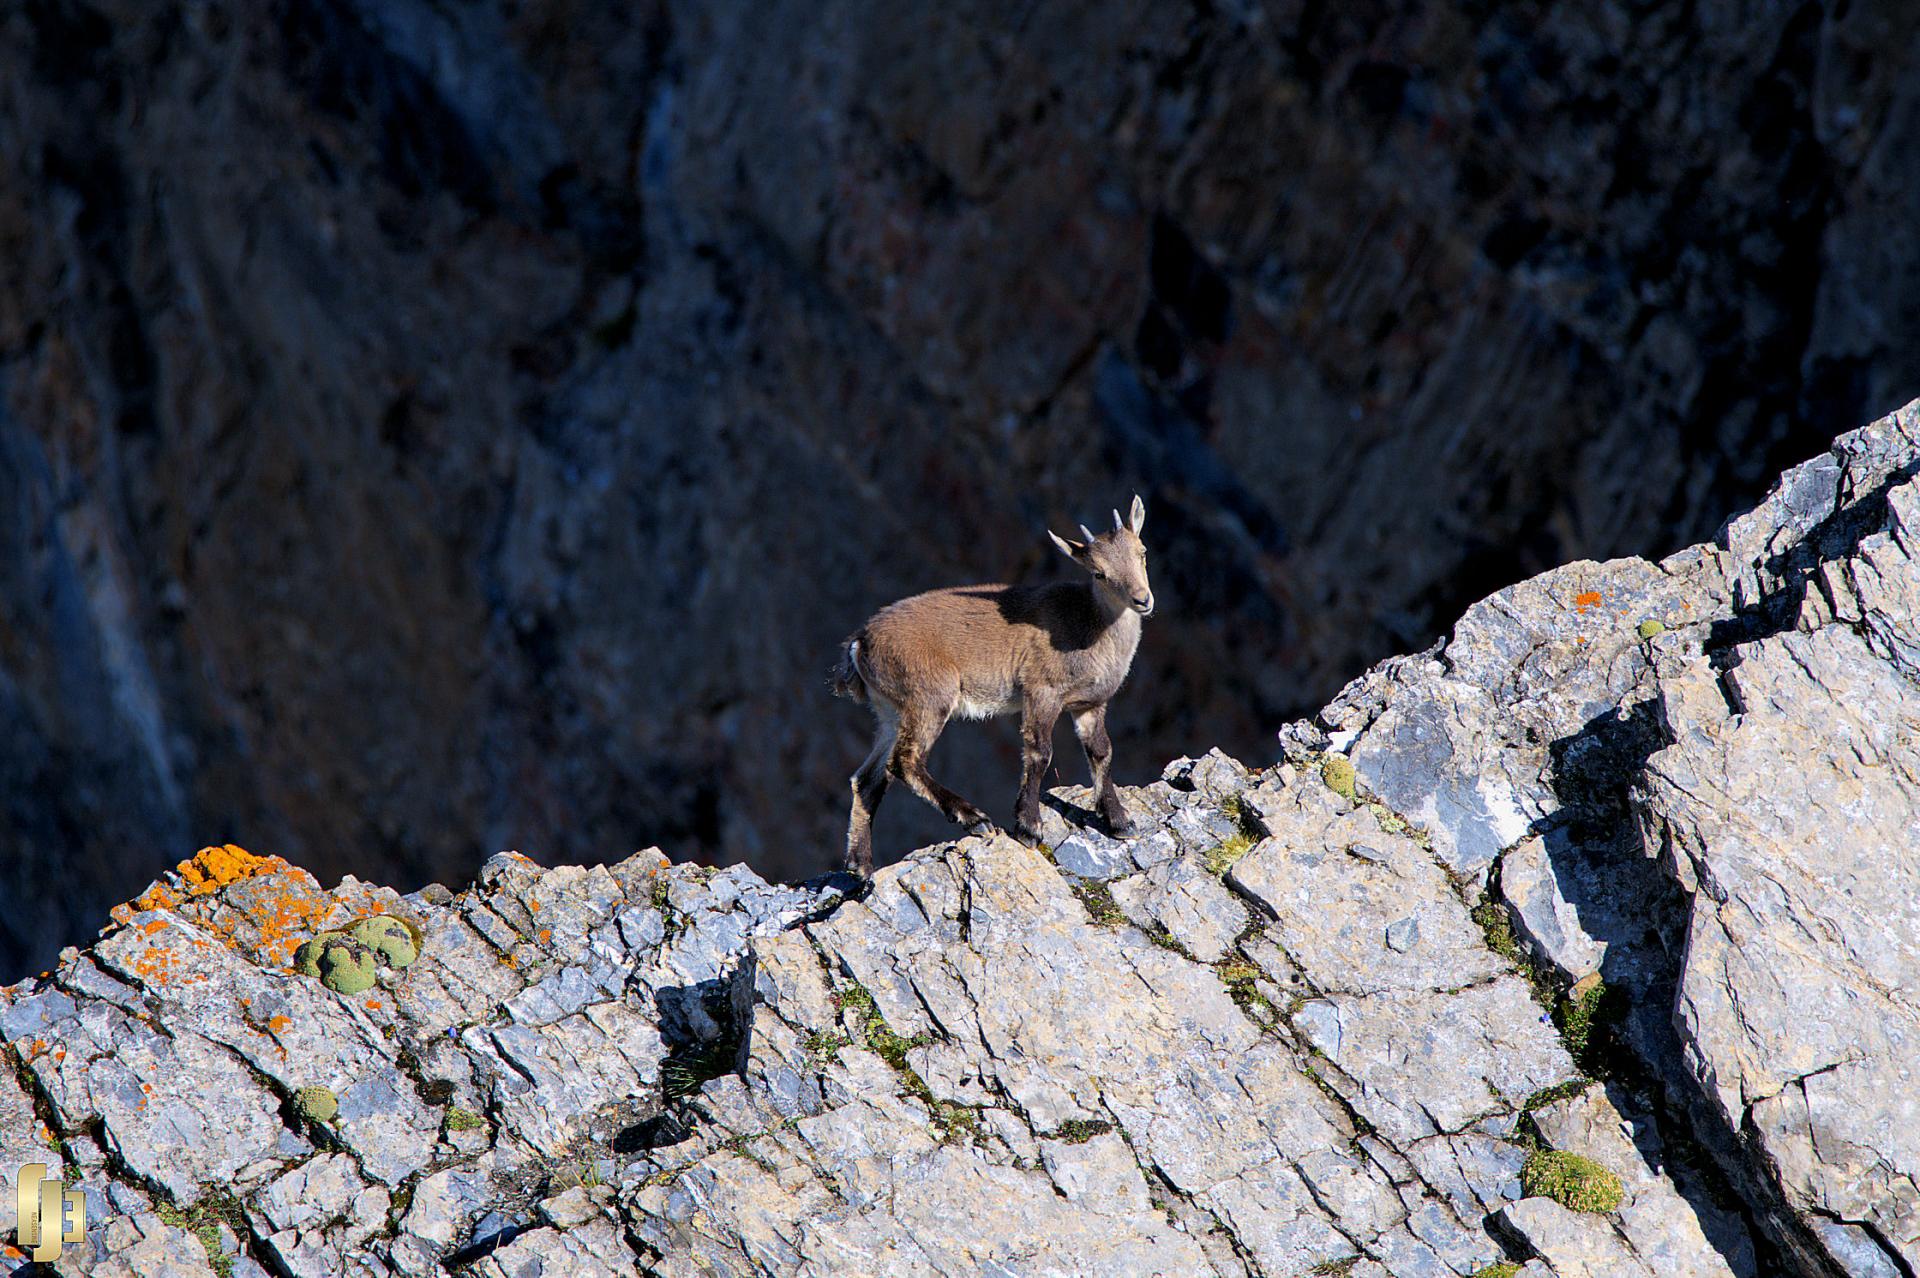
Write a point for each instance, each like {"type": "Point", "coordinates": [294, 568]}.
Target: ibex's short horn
{"type": "Point", "coordinates": [1117, 525]}
{"type": "Point", "coordinates": [1086, 534]}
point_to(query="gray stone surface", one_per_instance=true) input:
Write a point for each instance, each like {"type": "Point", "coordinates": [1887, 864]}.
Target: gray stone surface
{"type": "Point", "coordinates": [1313, 1055]}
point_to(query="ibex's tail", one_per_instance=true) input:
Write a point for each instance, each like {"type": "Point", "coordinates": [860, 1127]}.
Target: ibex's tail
{"type": "Point", "coordinates": [846, 681]}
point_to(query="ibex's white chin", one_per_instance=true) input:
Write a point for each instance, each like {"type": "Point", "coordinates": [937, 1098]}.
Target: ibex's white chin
{"type": "Point", "coordinates": [981, 651]}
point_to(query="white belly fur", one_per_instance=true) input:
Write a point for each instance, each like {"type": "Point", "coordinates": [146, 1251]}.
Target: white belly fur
{"type": "Point", "coordinates": [973, 708]}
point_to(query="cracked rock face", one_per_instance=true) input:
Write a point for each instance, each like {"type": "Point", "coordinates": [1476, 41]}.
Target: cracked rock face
{"type": "Point", "coordinates": [1638, 893]}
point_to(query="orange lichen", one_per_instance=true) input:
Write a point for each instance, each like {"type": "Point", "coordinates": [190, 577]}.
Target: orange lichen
{"type": "Point", "coordinates": [246, 1002]}
{"type": "Point", "coordinates": [1587, 599]}
{"type": "Point", "coordinates": [546, 934]}
{"type": "Point", "coordinates": [156, 925]}
{"type": "Point", "coordinates": [212, 868]}
{"type": "Point", "coordinates": [533, 905]}
{"type": "Point", "coordinates": [278, 1023]}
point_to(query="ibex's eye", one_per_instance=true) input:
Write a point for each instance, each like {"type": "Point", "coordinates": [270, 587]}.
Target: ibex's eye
{"type": "Point", "coordinates": [1098, 575]}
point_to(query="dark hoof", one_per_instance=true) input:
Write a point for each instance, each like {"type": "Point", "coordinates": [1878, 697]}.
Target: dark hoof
{"type": "Point", "coordinates": [979, 827]}
{"type": "Point", "coordinates": [1120, 827]}
{"type": "Point", "coordinates": [1028, 836]}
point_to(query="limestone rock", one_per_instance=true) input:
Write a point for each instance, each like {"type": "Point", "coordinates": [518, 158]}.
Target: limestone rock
{"type": "Point", "coordinates": [1325, 1051]}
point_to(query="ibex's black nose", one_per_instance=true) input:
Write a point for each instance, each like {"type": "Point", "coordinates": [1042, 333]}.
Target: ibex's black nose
{"type": "Point", "coordinates": [1144, 603]}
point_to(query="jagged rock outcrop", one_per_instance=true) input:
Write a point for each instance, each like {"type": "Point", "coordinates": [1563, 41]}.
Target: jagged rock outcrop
{"type": "Point", "coordinates": [1580, 945]}
{"type": "Point", "coordinates": [403, 404]}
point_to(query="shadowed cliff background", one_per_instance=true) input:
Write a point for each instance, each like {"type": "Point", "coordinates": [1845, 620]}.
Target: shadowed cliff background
{"type": "Point", "coordinates": [429, 428]}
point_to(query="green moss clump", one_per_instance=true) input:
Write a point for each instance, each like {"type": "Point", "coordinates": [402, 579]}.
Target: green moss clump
{"type": "Point", "coordinates": [306, 959]}
{"type": "Point", "coordinates": [1650, 627]}
{"type": "Point", "coordinates": [1499, 1269]}
{"type": "Point", "coordinates": [1575, 1182]}
{"type": "Point", "coordinates": [316, 1104]}
{"type": "Point", "coordinates": [346, 970]}
{"type": "Point", "coordinates": [1337, 771]}
{"type": "Point", "coordinates": [1223, 855]}
{"type": "Point", "coordinates": [1497, 926]}
{"type": "Point", "coordinates": [389, 937]}
{"type": "Point", "coordinates": [1078, 1131]}
{"type": "Point", "coordinates": [343, 963]}
{"type": "Point", "coordinates": [464, 1120]}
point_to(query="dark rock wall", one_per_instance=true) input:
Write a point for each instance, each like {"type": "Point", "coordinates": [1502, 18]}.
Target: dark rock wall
{"type": "Point", "coordinates": [432, 428]}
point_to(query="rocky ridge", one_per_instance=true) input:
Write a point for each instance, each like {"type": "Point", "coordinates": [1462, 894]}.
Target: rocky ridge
{"type": "Point", "coordinates": [402, 403]}
{"type": "Point", "coordinates": [1577, 945]}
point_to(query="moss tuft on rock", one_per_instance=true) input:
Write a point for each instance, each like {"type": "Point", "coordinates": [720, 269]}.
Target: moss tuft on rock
{"type": "Point", "coordinates": [1650, 627]}
{"type": "Point", "coordinates": [389, 937]}
{"type": "Point", "coordinates": [306, 959]}
{"type": "Point", "coordinates": [316, 1104]}
{"type": "Point", "coordinates": [1499, 1269]}
{"type": "Point", "coordinates": [1572, 1180]}
{"type": "Point", "coordinates": [463, 1120]}
{"type": "Point", "coordinates": [1337, 771]}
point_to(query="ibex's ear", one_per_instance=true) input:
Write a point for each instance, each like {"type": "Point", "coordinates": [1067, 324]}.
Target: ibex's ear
{"type": "Point", "coordinates": [1139, 513]}
{"type": "Point", "coordinates": [1068, 548]}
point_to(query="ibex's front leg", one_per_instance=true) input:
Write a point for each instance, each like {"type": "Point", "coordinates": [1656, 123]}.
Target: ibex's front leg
{"type": "Point", "coordinates": [1090, 725]}
{"type": "Point", "coordinates": [1037, 717]}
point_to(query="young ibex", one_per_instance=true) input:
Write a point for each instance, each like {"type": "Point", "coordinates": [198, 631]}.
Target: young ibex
{"type": "Point", "coordinates": [980, 651]}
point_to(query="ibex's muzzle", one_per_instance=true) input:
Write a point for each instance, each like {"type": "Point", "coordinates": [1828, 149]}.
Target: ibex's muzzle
{"type": "Point", "coordinates": [1144, 606]}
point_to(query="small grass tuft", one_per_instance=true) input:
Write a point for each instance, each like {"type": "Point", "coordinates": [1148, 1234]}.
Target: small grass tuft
{"type": "Point", "coordinates": [1223, 855]}
{"type": "Point", "coordinates": [1240, 977]}
{"type": "Point", "coordinates": [1099, 902]}
{"type": "Point", "coordinates": [823, 1047]}
{"type": "Point", "coordinates": [689, 1069]}
{"type": "Point", "coordinates": [203, 1220]}
{"type": "Point", "coordinates": [463, 1120]}
{"type": "Point", "coordinates": [1587, 1022]}
{"type": "Point", "coordinates": [1341, 1268]}
{"type": "Point", "coordinates": [1572, 1180]}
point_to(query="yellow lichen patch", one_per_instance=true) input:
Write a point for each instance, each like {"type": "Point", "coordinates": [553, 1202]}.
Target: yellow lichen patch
{"type": "Point", "coordinates": [212, 868]}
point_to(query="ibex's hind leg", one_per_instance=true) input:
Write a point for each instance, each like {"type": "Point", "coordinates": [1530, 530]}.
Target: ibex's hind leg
{"type": "Point", "coordinates": [919, 729]}
{"type": "Point", "coordinates": [869, 786]}
{"type": "Point", "coordinates": [1090, 725]}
